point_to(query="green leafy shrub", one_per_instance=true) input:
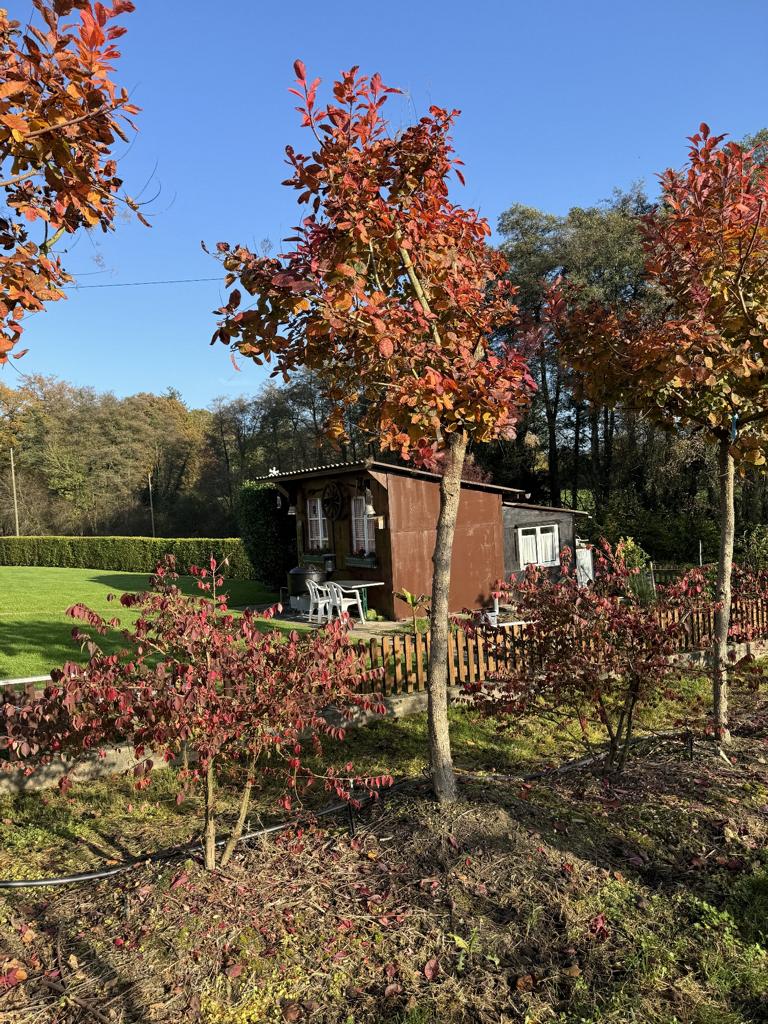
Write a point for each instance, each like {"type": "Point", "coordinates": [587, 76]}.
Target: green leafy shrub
{"type": "Point", "coordinates": [268, 532]}
{"type": "Point", "coordinates": [636, 558]}
{"type": "Point", "coordinates": [125, 554]}
{"type": "Point", "coordinates": [755, 548]}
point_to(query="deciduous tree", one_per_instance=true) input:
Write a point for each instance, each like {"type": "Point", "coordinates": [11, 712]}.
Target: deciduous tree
{"type": "Point", "coordinates": [704, 363]}
{"type": "Point", "coordinates": [391, 295]}
{"type": "Point", "coordinates": [60, 114]}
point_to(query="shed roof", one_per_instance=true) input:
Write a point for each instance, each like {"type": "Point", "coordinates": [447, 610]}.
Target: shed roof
{"type": "Point", "coordinates": [368, 465]}
{"type": "Point", "coordinates": [547, 508]}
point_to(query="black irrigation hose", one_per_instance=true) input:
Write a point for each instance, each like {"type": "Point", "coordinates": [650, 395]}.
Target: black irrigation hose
{"type": "Point", "coordinates": [179, 851]}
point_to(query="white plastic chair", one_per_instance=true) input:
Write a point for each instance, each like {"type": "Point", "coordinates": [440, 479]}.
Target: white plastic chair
{"type": "Point", "coordinates": [319, 602]}
{"type": "Point", "coordinates": [342, 600]}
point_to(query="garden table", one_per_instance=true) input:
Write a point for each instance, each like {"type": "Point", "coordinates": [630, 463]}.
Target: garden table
{"type": "Point", "coordinates": [361, 585]}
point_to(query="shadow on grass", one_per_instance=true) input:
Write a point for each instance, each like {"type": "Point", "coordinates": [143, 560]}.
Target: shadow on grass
{"type": "Point", "coordinates": [241, 592]}
{"type": "Point", "coordinates": [32, 647]}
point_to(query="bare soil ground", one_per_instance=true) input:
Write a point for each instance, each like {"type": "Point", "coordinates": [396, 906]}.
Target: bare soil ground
{"type": "Point", "coordinates": [568, 899]}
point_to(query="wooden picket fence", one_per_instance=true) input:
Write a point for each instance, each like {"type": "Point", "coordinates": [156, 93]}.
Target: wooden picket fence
{"type": "Point", "coordinates": [477, 654]}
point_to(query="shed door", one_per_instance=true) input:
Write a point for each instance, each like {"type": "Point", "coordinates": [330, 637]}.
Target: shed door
{"type": "Point", "coordinates": [585, 570]}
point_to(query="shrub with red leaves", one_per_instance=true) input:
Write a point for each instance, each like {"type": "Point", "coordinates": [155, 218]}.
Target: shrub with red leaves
{"type": "Point", "coordinates": [248, 703]}
{"type": "Point", "coordinates": [597, 653]}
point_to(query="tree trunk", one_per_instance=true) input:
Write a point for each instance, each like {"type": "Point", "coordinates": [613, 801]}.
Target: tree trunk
{"type": "Point", "coordinates": [724, 572]}
{"type": "Point", "coordinates": [210, 818]}
{"type": "Point", "coordinates": [576, 457]}
{"type": "Point", "coordinates": [443, 778]}
{"type": "Point", "coordinates": [553, 463]}
{"type": "Point", "coordinates": [237, 831]}
{"type": "Point", "coordinates": [551, 403]}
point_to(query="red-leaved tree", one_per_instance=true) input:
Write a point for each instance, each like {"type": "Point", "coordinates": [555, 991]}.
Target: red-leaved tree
{"type": "Point", "coordinates": [703, 363]}
{"type": "Point", "coordinates": [242, 701]}
{"type": "Point", "coordinates": [391, 295]}
{"type": "Point", "coordinates": [60, 115]}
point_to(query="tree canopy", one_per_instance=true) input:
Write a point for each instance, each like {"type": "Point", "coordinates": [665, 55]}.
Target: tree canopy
{"type": "Point", "coordinates": [60, 114]}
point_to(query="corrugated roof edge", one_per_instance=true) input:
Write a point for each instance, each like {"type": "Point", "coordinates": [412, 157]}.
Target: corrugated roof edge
{"type": "Point", "coordinates": [547, 508]}
{"type": "Point", "coordinates": [388, 467]}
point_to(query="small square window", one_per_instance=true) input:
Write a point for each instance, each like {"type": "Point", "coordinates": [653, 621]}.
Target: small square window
{"type": "Point", "coordinates": [539, 545]}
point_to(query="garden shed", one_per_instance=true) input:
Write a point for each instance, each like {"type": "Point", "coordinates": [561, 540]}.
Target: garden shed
{"type": "Point", "coordinates": [375, 521]}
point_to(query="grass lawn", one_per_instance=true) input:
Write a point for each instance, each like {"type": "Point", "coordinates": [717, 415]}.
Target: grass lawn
{"type": "Point", "coordinates": [565, 899]}
{"type": "Point", "coordinates": [35, 634]}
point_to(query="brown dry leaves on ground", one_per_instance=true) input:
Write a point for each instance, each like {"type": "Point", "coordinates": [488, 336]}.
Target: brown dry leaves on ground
{"type": "Point", "coordinates": [564, 900]}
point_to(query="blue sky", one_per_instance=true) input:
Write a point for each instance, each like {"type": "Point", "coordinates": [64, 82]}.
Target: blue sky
{"type": "Point", "coordinates": [561, 101]}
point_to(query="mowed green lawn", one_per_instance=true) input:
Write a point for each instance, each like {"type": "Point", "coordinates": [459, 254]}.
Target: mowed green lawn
{"type": "Point", "coordinates": [36, 635]}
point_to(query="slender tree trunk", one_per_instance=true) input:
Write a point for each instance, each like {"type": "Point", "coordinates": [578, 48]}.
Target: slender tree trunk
{"type": "Point", "coordinates": [237, 831]}
{"type": "Point", "coordinates": [609, 426]}
{"type": "Point", "coordinates": [594, 442]}
{"type": "Point", "coordinates": [443, 778]}
{"type": "Point", "coordinates": [551, 403]}
{"type": "Point", "coordinates": [210, 818]}
{"type": "Point", "coordinates": [553, 462]}
{"type": "Point", "coordinates": [576, 457]}
{"type": "Point", "coordinates": [724, 572]}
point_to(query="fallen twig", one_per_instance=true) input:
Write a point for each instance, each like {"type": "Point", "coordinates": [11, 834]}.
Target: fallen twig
{"type": "Point", "coordinates": [84, 1004]}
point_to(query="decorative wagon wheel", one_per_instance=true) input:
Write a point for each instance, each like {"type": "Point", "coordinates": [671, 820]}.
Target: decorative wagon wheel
{"type": "Point", "coordinates": [333, 501]}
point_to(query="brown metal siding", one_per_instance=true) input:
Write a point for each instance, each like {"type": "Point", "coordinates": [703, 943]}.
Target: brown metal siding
{"type": "Point", "coordinates": [478, 553]}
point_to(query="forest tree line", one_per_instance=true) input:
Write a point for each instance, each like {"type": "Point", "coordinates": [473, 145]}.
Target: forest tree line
{"type": "Point", "coordinates": [84, 460]}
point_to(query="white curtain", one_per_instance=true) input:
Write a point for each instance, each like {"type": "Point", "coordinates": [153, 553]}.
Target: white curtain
{"type": "Point", "coordinates": [528, 553]}
{"type": "Point", "coordinates": [548, 545]}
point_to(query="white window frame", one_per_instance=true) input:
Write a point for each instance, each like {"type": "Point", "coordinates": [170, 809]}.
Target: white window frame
{"type": "Point", "coordinates": [363, 532]}
{"type": "Point", "coordinates": [538, 531]}
{"type": "Point", "coordinates": [317, 526]}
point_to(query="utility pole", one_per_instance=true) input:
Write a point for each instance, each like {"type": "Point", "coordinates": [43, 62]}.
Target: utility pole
{"type": "Point", "coordinates": [151, 503]}
{"type": "Point", "coordinates": [15, 498]}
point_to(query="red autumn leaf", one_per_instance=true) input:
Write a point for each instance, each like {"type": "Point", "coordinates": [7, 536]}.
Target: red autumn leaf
{"type": "Point", "coordinates": [431, 969]}
{"type": "Point", "coordinates": [598, 927]}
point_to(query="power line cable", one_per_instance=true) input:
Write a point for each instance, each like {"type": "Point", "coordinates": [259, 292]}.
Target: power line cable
{"type": "Point", "coordinates": [140, 284]}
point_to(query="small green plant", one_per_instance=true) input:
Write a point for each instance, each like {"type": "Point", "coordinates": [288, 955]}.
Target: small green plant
{"type": "Point", "coordinates": [414, 602]}
{"type": "Point", "coordinates": [639, 563]}
{"type": "Point", "coordinates": [466, 947]}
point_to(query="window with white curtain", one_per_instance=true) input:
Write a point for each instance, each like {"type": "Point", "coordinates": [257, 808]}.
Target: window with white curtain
{"type": "Point", "coordinates": [363, 536]}
{"type": "Point", "coordinates": [317, 525]}
{"type": "Point", "coordinates": [539, 545]}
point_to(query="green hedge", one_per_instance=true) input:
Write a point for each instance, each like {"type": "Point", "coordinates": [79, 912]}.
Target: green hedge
{"type": "Point", "coordinates": [125, 554]}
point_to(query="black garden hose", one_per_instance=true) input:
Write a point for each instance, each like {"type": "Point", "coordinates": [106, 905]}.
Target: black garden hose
{"type": "Point", "coordinates": [179, 851]}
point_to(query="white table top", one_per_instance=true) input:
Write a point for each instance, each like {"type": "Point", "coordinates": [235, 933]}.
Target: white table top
{"type": "Point", "coordinates": [358, 584]}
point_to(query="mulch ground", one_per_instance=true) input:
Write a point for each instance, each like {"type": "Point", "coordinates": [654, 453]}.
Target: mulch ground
{"type": "Point", "coordinates": [567, 899]}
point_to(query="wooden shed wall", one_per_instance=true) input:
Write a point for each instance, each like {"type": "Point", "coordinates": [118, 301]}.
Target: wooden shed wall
{"type": "Point", "coordinates": [478, 553]}
{"type": "Point", "coordinates": [340, 535]}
